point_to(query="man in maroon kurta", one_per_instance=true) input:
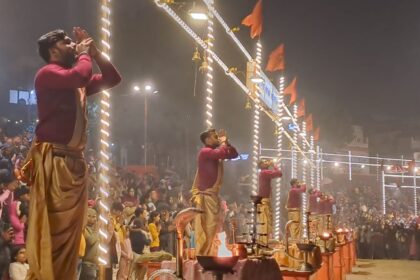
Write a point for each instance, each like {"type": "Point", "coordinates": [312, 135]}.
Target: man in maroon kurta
{"type": "Point", "coordinates": [268, 172]}
{"type": "Point", "coordinates": [314, 195]}
{"type": "Point", "coordinates": [294, 204]}
{"type": "Point", "coordinates": [206, 188]}
{"type": "Point", "coordinates": [57, 170]}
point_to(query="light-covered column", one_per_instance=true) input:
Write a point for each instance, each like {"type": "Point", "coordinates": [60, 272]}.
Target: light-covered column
{"type": "Point", "coordinates": [277, 193]}
{"type": "Point", "coordinates": [105, 152]}
{"type": "Point", "coordinates": [256, 122]}
{"type": "Point", "coordinates": [209, 73]}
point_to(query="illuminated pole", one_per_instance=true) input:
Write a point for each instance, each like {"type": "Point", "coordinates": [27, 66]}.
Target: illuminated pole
{"type": "Point", "coordinates": [350, 175]}
{"type": "Point", "coordinates": [318, 168]}
{"type": "Point", "coordinates": [304, 194]}
{"type": "Point", "coordinates": [209, 74]}
{"type": "Point", "coordinates": [415, 190]}
{"type": "Point", "coordinates": [256, 122]}
{"type": "Point", "coordinates": [304, 161]}
{"type": "Point", "coordinates": [383, 193]}
{"type": "Point", "coordinates": [104, 161]}
{"type": "Point", "coordinates": [311, 155]}
{"type": "Point", "coordinates": [295, 139]}
{"type": "Point", "coordinates": [279, 156]}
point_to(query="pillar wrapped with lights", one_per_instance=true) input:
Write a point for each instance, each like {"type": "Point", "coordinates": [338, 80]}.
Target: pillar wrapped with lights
{"type": "Point", "coordinates": [209, 73]}
{"type": "Point", "coordinates": [295, 140]}
{"type": "Point", "coordinates": [383, 192]}
{"type": "Point", "coordinates": [277, 211]}
{"type": "Point", "coordinates": [415, 190]}
{"type": "Point", "coordinates": [104, 161]}
{"type": "Point", "coordinates": [304, 160]}
{"type": "Point", "coordinates": [318, 168]}
{"type": "Point", "coordinates": [256, 120]}
{"type": "Point", "coordinates": [304, 194]}
{"type": "Point", "coordinates": [311, 157]}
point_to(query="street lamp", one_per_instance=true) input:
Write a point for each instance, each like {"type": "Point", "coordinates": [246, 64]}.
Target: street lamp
{"type": "Point", "coordinates": [148, 89]}
{"type": "Point", "coordinates": [198, 12]}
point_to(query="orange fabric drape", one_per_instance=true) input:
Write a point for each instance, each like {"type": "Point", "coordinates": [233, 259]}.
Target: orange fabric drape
{"type": "Point", "coordinates": [276, 59]}
{"type": "Point", "coordinates": [309, 123]}
{"type": "Point", "coordinates": [291, 89]}
{"type": "Point", "coordinates": [301, 108]}
{"type": "Point", "coordinates": [316, 134]}
{"type": "Point", "coordinates": [254, 20]}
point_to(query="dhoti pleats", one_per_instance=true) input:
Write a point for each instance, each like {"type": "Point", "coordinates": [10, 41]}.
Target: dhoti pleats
{"type": "Point", "coordinates": [57, 211]}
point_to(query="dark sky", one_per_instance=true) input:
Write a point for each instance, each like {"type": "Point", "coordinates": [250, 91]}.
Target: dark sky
{"type": "Point", "coordinates": [353, 59]}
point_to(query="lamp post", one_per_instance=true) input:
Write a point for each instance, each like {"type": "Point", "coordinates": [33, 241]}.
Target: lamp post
{"type": "Point", "coordinates": [146, 90]}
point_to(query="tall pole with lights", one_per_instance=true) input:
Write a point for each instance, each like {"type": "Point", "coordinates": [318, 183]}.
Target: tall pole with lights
{"type": "Point", "coordinates": [256, 120]}
{"type": "Point", "coordinates": [105, 153]}
{"type": "Point", "coordinates": [280, 129]}
{"type": "Point", "coordinates": [209, 73]}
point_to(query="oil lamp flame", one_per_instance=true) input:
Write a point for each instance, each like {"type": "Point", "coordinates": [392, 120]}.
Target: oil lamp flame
{"type": "Point", "coordinates": [223, 251]}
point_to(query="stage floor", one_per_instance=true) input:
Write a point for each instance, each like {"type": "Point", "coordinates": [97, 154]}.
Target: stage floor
{"type": "Point", "coordinates": [385, 270]}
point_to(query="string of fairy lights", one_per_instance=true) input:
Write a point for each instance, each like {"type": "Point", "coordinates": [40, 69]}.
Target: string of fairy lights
{"type": "Point", "coordinates": [311, 157]}
{"type": "Point", "coordinates": [104, 163]}
{"type": "Point", "coordinates": [256, 121]}
{"type": "Point", "coordinates": [295, 140]}
{"type": "Point", "coordinates": [209, 73]}
{"type": "Point", "coordinates": [304, 194]}
{"type": "Point", "coordinates": [279, 126]}
{"type": "Point", "coordinates": [318, 168]}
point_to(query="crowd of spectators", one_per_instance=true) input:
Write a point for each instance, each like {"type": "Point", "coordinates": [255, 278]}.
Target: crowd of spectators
{"type": "Point", "coordinates": [395, 235]}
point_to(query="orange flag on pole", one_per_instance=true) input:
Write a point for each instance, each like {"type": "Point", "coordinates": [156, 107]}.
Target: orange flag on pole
{"type": "Point", "coordinates": [309, 123]}
{"type": "Point", "coordinates": [316, 134]}
{"type": "Point", "coordinates": [301, 108]}
{"type": "Point", "coordinates": [254, 20]}
{"type": "Point", "coordinates": [276, 59]}
{"type": "Point", "coordinates": [291, 89]}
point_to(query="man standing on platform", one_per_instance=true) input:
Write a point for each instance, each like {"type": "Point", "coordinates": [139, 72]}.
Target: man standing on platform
{"type": "Point", "coordinates": [206, 187]}
{"type": "Point", "coordinates": [268, 171]}
{"type": "Point", "coordinates": [55, 167]}
{"type": "Point", "coordinates": [294, 205]}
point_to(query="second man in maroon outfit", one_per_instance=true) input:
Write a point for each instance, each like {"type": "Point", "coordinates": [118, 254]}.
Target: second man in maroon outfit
{"type": "Point", "coordinates": [206, 187]}
{"type": "Point", "coordinates": [268, 172]}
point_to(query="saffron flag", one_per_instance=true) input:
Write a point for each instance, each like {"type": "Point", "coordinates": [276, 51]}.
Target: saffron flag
{"type": "Point", "coordinates": [254, 20]}
{"type": "Point", "coordinates": [301, 108]}
{"type": "Point", "coordinates": [309, 123]}
{"type": "Point", "coordinates": [291, 89]}
{"type": "Point", "coordinates": [316, 134]}
{"type": "Point", "coordinates": [276, 59]}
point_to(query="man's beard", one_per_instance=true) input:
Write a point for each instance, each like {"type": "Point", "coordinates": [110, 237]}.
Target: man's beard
{"type": "Point", "coordinates": [69, 59]}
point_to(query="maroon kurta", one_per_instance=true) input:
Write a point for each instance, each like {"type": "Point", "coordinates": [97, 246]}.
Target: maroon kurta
{"type": "Point", "coordinates": [313, 201]}
{"type": "Point", "coordinates": [294, 199]}
{"type": "Point", "coordinates": [264, 181]}
{"type": "Point", "coordinates": [208, 160]}
{"type": "Point", "coordinates": [56, 88]}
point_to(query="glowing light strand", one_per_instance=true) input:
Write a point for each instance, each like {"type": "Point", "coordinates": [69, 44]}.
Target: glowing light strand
{"type": "Point", "coordinates": [304, 195]}
{"type": "Point", "coordinates": [303, 161]}
{"type": "Point", "coordinates": [294, 144]}
{"type": "Point", "coordinates": [311, 156]}
{"type": "Point", "coordinates": [103, 255]}
{"type": "Point", "coordinates": [280, 128]}
{"type": "Point", "coordinates": [209, 73]}
{"type": "Point", "coordinates": [318, 168]}
{"type": "Point", "coordinates": [256, 122]}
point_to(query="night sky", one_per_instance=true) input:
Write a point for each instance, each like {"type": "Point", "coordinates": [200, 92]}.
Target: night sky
{"type": "Point", "coordinates": [355, 60]}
